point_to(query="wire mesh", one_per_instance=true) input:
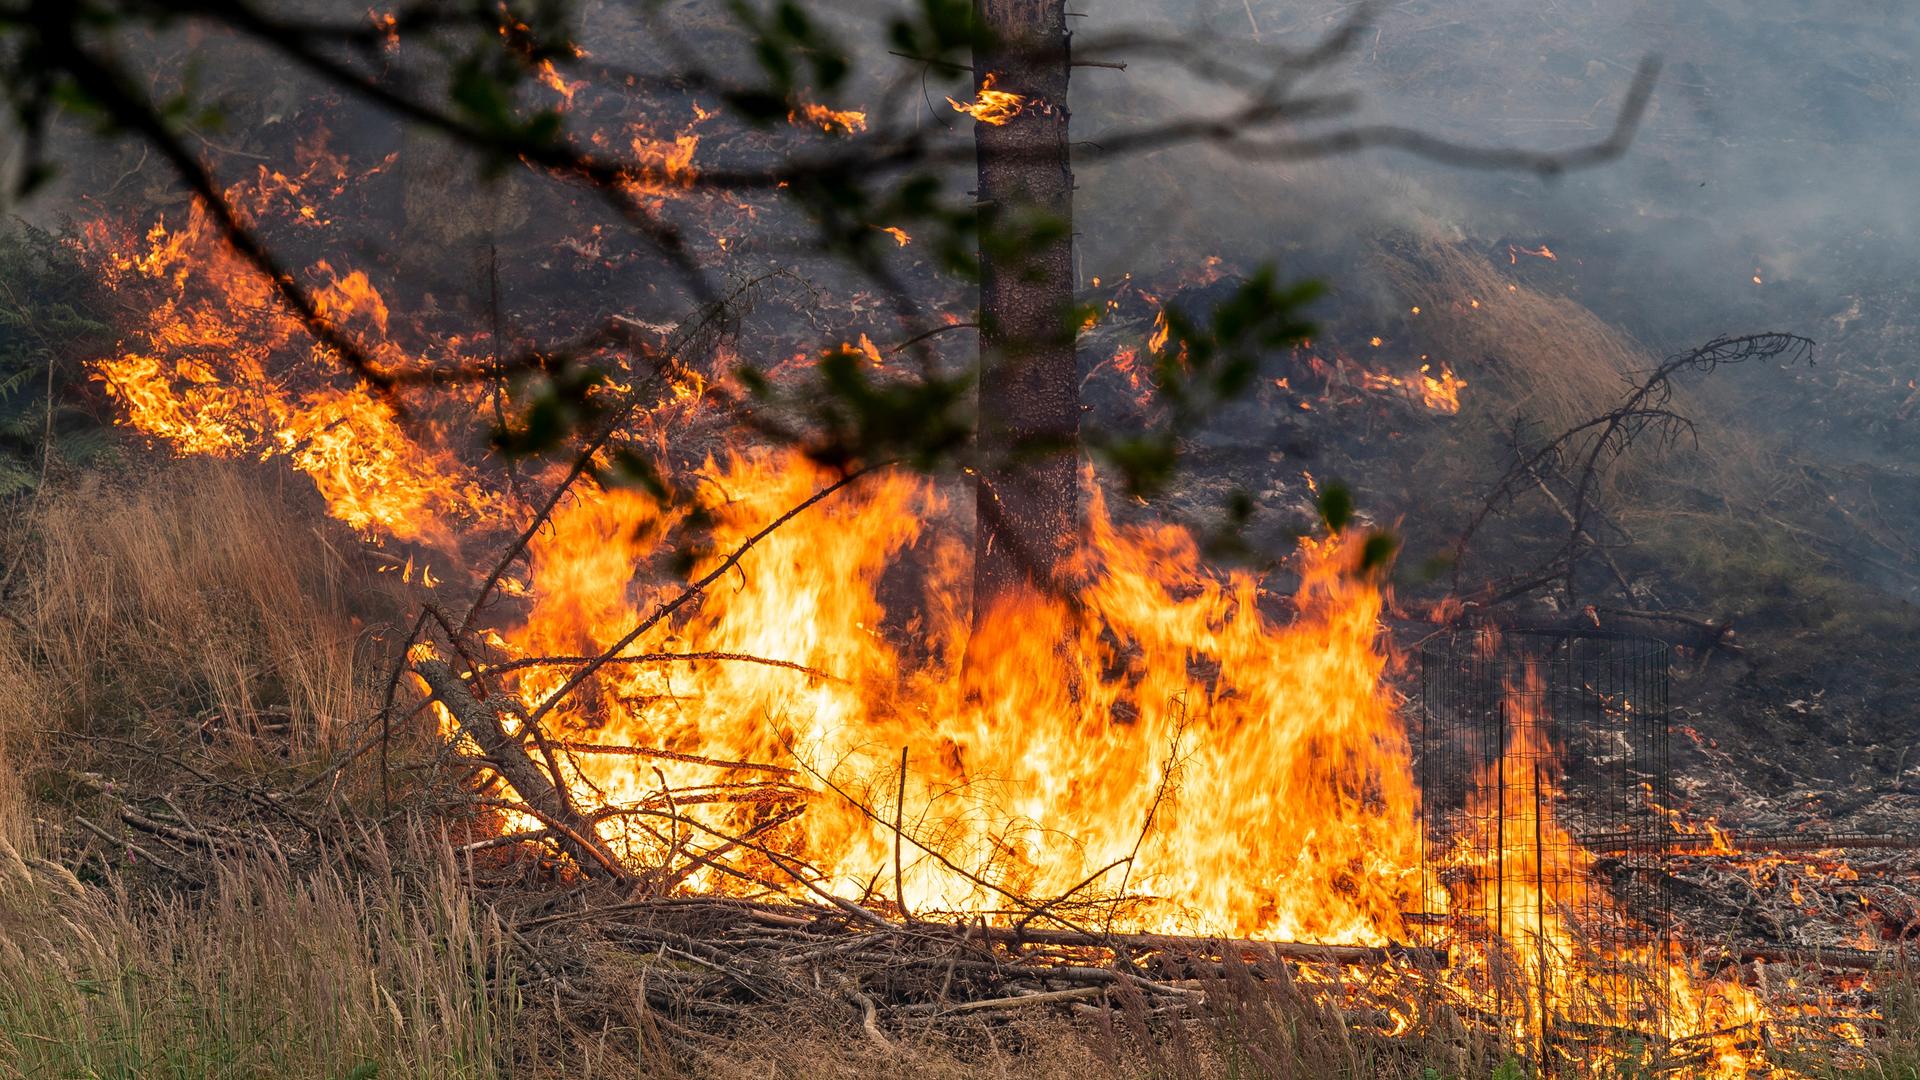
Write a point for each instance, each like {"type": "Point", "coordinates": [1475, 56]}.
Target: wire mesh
{"type": "Point", "coordinates": [1537, 748]}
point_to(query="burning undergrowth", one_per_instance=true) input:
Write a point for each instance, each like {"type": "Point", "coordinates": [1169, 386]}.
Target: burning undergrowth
{"type": "Point", "coordinates": [818, 744]}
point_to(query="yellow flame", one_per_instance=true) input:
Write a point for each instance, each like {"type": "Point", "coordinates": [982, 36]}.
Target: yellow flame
{"type": "Point", "coordinates": [1169, 748]}
{"type": "Point", "coordinates": [991, 106]}
{"type": "Point", "coordinates": [831, 121]}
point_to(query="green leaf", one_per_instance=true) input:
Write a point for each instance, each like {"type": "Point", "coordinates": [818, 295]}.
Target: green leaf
{"type": "Point", "coordinates": [631, 469]}
{"type": "Point", "coordinates": [16, 477]}
{"type": "Point", "coordinates": [1336, 507]}
{"type": "Point", "coordinates": [1377, 551]}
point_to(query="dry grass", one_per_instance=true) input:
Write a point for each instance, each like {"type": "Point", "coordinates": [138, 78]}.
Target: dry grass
{"type": "Point", "coordinates": [271, 973]}
{"type": "Point", "coordinates": [1556, 363]}
{"type": "Point", "coordinates": [195, 610]}
{"type": "Point", "coordinates": [1549, 363]}
{"type": "Point", "coordinates": [196, 596]}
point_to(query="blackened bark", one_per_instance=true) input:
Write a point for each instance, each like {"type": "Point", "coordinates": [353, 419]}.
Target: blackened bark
{"type": "Point", "coordinates": [1027, 495]}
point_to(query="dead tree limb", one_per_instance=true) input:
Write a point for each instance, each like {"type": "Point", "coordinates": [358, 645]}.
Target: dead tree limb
{"type": "Point", "coordinates": [660, 658]}
{"type": "Point", "coordinates": [481, 720]}
{"type": "Point", "coordinates": [1590, 446]}
{"type": "Point", "coordinates": [1580, 528]}
{"type": "Point", "coordinates": [668, 755]}
{"type": "Point", "coordinates": [1245, 948]}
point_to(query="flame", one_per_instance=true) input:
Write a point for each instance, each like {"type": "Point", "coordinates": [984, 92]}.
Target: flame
{"type": "Point", "coordinates": [662, 164]}
{"type": "Point", "coordinates": [1170, 748]}
{"type": "Point", "coordinates": [551, 78]}
{"type": "Point", "coordinates": [1161, 331]}
{"type": "Point", "coordinates": [1548, 913]}
{"type": "Point", "coordinates": [991, 106]}
{"type": "Point", "coordinates": [867, 349]}
{"type": "Point", "coordinates": [1126, 362]}
{"type": "Point", "coordinates": [831, 121]}
{"type": "Point", "coordinates": [205, 369]}
{"type": "Point", "coordinates": [1291, 738]}
{"type": "Point", "coordinates": [1441, 392]}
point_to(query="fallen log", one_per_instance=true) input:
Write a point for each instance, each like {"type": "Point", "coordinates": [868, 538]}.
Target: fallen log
{"type": "Point", "coordinates": [1017, 1001]}
{"type": "Point", "coordinates": [1248, 949]}
{"type": "Point", "coordinates": [771, 918]}
{"type": "Point", "coordinates": [480, 720]}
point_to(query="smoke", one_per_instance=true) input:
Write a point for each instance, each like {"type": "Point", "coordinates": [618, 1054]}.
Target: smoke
{"type": "Point", "coordinates": [1778, 146]}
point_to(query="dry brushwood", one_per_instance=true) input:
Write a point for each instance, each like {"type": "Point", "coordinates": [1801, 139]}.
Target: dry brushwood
{"type": "Point", "coordinates": [481, 720]}
{"type": "Point", "coordinates": [717, 959]}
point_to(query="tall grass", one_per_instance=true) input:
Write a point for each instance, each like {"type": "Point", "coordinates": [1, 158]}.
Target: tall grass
{"type": "Point", "coordinates": [194, 608]}
{"type": "Point", "coordinates": [272, 973]}
{"type": "Point", "coordinates": [1559, 364]}
{"type": "Point", "coordinates": [197, 593]}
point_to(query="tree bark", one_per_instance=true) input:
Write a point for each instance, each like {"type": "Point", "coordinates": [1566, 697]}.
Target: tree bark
{"type": "Point", "coordinates": [1027, 484]}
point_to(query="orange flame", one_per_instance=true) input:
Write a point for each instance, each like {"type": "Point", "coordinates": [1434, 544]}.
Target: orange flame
{"type": "Point", "coordinates": [1290, 737]}
{"type": "Point", "coordinates": [1172, 750]}
{"type": "Point", "coordinates": [1441, 392]}
{"type": "Point", "coordinates": [1525, 866]}
{"type": "Point", "coordinates": [204, 370]}
{"type": "Point", "coordinates": [831, 121]}
{"type": "Point", "coordinates": [992, 106]}
{"type": "Point", "coordinates": [550, 77]}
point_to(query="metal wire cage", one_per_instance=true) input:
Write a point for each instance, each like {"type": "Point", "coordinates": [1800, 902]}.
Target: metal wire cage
{"type": "Point", "coordinates": [1543, 768]}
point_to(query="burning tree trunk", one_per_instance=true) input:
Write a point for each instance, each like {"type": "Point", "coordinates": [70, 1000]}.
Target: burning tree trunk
{"type": "Point", "coordinates": [1027, 493]}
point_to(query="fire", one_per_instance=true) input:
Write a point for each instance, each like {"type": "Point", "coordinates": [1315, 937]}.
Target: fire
{"type": "Point", "coordinates": [867, 349]}
{"type": "Point", "coordinates": [1157, 340]}
{"type": "Point", "coordinates": [1441, 392]}
{"type": "Point", "coordinates": [1125, 362]}
{"type": "Point", "coordinates": [551, 78]}
{"type": "Point", "coordinates": [204, 370]}
{"type": "Point", "coordinates": [663, 164]}
{"type": "Point", "coordinates": [1542, 252]}
{"type": "Point", "coordinates": [1168, 749]}
{"type": "Point", "coordinates": [1437, 392]}
{"type": "Point", "coordinates": [991, 106]}
{"type": "Point", "coordinates": [831, 121]}
{"type": "Point", "coordinates": [1525, 891]}
{"type": "Point", "coordinates": [1292, 738]}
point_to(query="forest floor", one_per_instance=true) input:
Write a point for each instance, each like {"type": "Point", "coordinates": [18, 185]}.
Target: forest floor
{"type": "Point", "coordinates": [198, 877]}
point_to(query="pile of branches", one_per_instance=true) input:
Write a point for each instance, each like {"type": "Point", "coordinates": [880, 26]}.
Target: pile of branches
{"type": "Point", "coordinates": [709, 961]}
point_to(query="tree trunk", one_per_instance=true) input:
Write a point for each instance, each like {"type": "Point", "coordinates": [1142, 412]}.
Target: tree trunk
{"type": "Point", "coordinates": [1027, 492]}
